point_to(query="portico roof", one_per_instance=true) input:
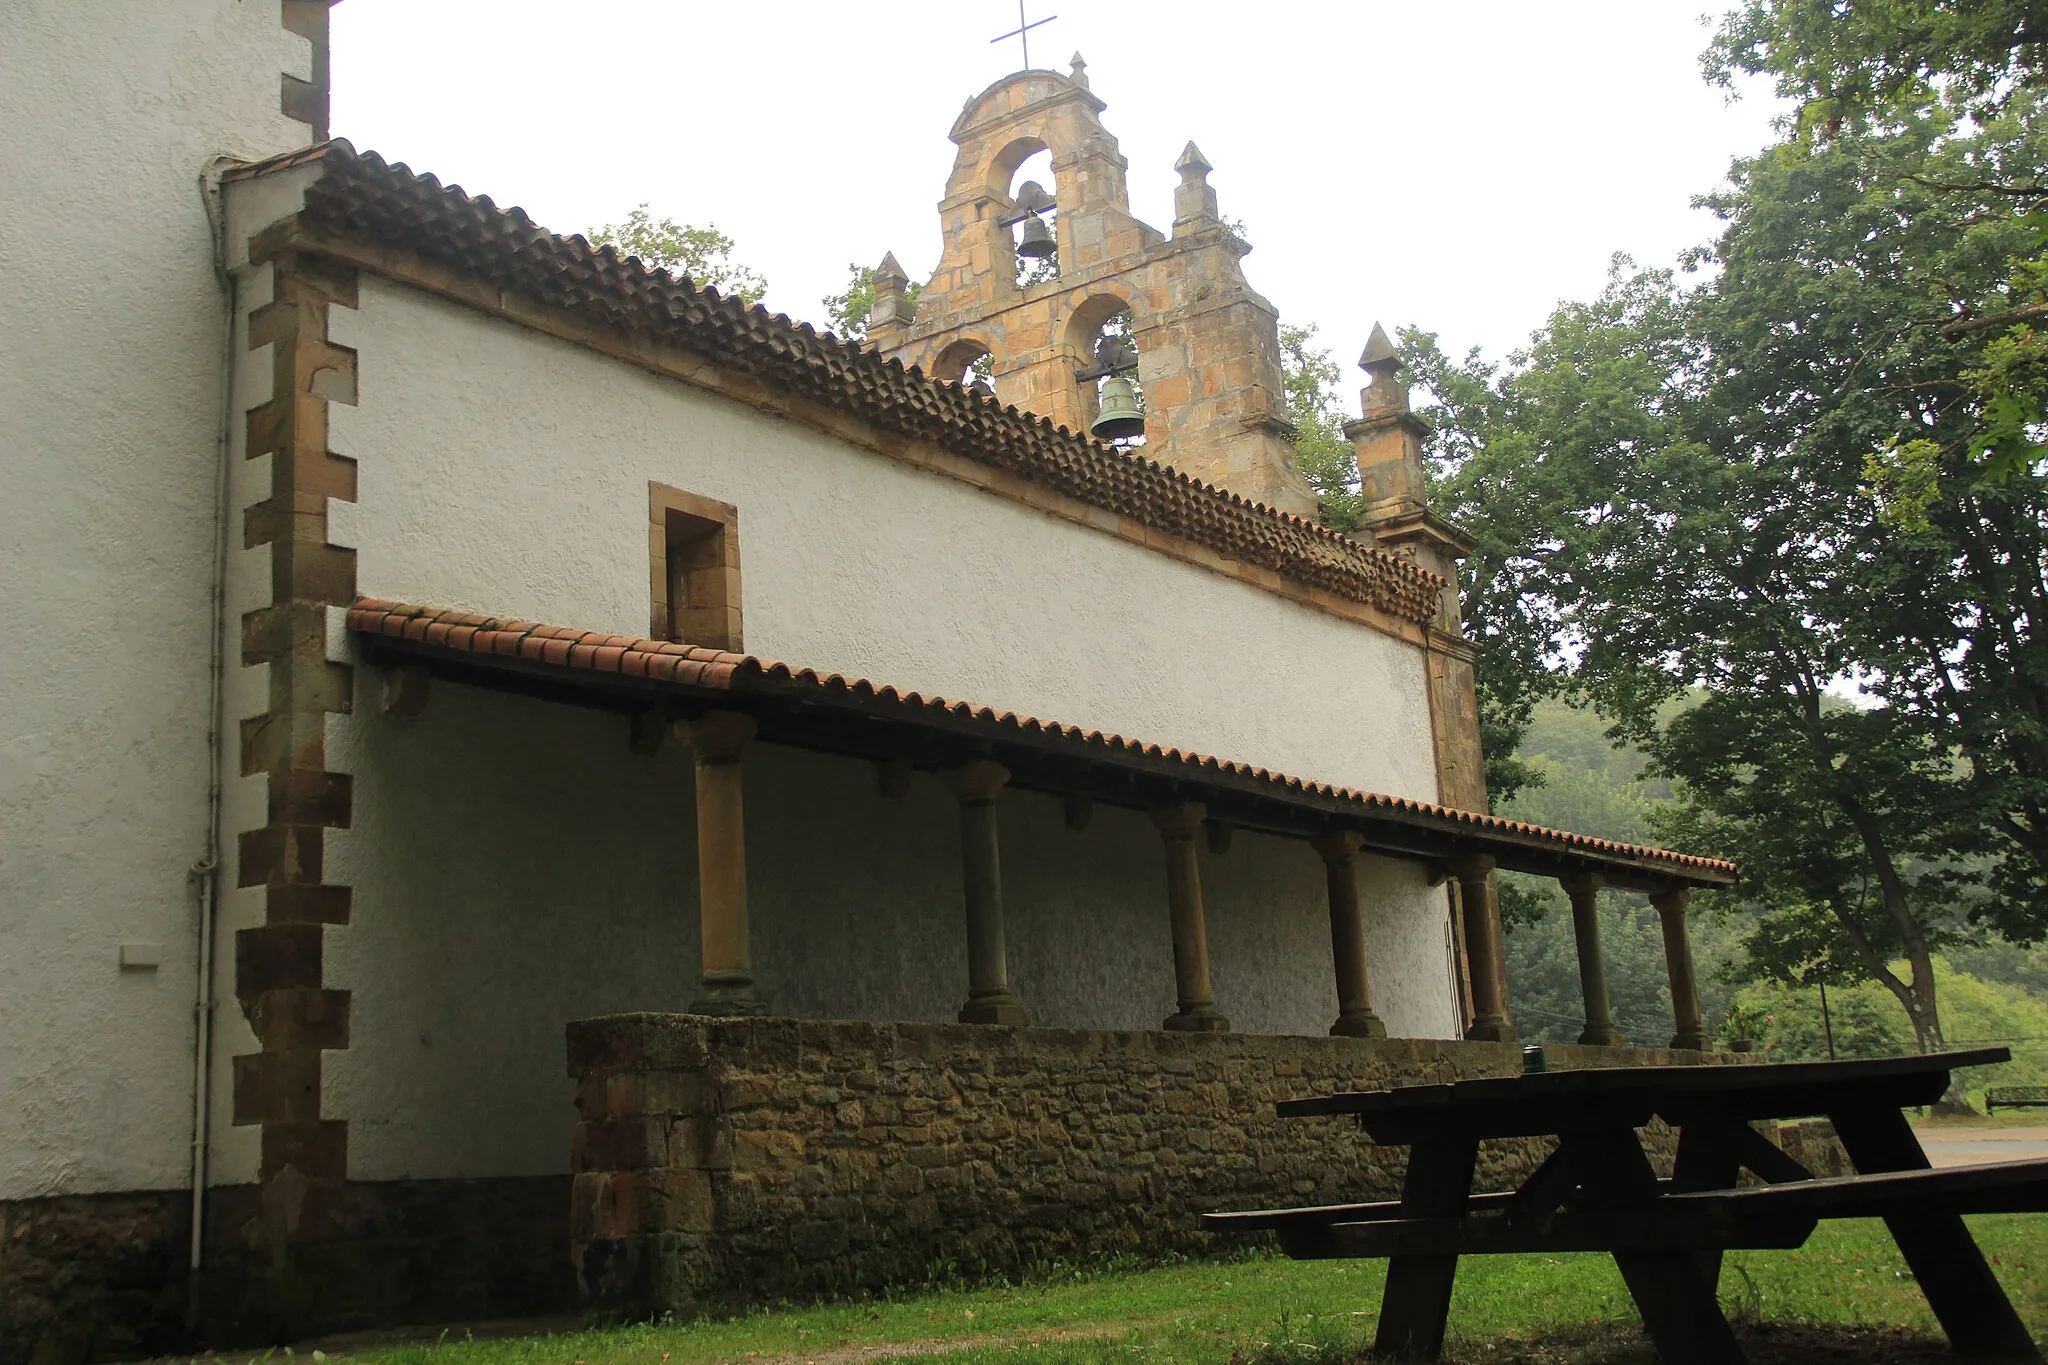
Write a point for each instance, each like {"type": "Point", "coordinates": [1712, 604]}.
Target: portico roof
{"type": "Point", "coordinates": [833, 713]}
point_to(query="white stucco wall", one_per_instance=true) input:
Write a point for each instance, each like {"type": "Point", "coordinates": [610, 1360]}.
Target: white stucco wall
{"type": "Point", "coordinates": [111, 396]}
{"type": "Point", "coordinates": [503, 471]}
{"type": "Point", "coordinates": [514, 867]}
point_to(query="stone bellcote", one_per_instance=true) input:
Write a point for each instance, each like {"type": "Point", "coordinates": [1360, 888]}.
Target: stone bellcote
{"type": "Point", "coordinates": [1208, 344]}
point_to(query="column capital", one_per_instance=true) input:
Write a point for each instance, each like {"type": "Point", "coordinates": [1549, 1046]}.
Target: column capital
{"type": "Point", "coordinates": [1337, 845]}
{"type": "Point", "coordinates": [1182, 820]}
{"type": "Point", "coordinates": [1583, 882]}
{"type": "Point", "coordinates": [977, 780]}
{"type": "Point", "coordinates": [1467, 867]}
{"type": "Point", "coordinates": [718, 736]}
{"type": "Point", "coordinates": [1672, 900]}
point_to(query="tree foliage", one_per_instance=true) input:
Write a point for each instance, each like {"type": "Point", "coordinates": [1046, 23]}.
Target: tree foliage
{"type": "Point", "coordinates": [701, 255]}
{"type": "Point", "coordinates": [1773, 485]}
{"type": "Point", "coordinates": [1847, 62]}
{"type": "Point", "coordinates": [1316, 408]}
{"type": "Point", "coordinates": [1596, 787]}
{"type": "Point", "coordinates": [1910, 539]}
{"type": "Point", "coordinates": [1976, 1009]}
{"type": "Point", "coordinates": [1522, 456]}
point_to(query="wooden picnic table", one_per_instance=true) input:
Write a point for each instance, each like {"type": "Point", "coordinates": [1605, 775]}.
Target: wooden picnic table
{"type": "Point", "coordinates": [1598, 1191]}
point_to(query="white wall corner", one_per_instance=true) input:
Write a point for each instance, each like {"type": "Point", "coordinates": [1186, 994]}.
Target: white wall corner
{"type": "Point", "coordinates": [256, 203]}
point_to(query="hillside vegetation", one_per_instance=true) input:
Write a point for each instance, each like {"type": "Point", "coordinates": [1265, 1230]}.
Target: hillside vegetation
{"type": "Point", "coordinates": [1991, 991]}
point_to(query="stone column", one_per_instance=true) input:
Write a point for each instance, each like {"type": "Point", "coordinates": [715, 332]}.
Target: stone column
{"type": "Point", "coordinates": [1685, 991]}
{"type": "Point", "coordinates": [1355, 1019]}
{"type": "Point", "coordinates": [1584, 889]}
{"type": "Point", "coordinates": [1179, 825]}
{"type": "Point", "coordinates": [989, 1000]}
{"type": "Point", "coordinates": [1461, 964]}
{"type": "Point", "coordinates": [716, 738]}
{"type": "Point", "coordinates": [1477, 894]}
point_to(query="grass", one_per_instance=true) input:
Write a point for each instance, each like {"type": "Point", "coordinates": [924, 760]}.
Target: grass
{"type": "Point", "coordinates": [1262, 1309]}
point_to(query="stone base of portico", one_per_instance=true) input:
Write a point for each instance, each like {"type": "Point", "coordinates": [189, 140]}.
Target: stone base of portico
{"type": "Point", "coordinates": [995, 1009]}
{"type": "Point", "coordinates": [721, 1162]}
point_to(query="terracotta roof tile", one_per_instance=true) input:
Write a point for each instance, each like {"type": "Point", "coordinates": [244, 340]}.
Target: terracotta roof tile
{"type": "Point", "coordinates": [574, 650]}
{"type": "Point", "coordinates": [360, 195]}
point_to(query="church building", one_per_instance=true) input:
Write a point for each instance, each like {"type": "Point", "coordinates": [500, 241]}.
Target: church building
{"type": "Point", "coordinates": [431, 634]}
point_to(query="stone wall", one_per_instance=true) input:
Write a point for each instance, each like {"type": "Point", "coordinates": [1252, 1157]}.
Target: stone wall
{"type": "Point", "coordinates": [103, 1277]}
{"type": "Point", "coordinates": [721, 1161]}
{"type": "Point", "coordinates": [1813, 1144]}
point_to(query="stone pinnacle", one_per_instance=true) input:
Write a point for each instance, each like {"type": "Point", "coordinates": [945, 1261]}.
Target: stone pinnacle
{"type": "Point", "coordinates": [1378, 350]}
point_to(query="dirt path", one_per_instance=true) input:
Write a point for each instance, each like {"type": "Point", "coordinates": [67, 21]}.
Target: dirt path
{"type": "Point", "coordinates": [1967, 1145]}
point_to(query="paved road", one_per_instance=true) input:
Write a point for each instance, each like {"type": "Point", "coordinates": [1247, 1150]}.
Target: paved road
{"type": "Point", "coordinates": [1956, 1146]}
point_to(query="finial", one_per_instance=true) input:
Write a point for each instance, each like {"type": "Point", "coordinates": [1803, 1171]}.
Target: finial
{"type": "Point", "coordinates": [1080, 72]}
{"type": "Point", "coordinates": [1379, 351]}
{"type": "Point", "coordinates": [1194, 200]}
{"type": "Point", "coordinates": [890, 305]}
{"type": "Point", "coordinates": [1386, 393]}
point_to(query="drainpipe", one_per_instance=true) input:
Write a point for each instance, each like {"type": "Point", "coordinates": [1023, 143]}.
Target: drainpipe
{"type": "Point", "coordinates": [205, 873]}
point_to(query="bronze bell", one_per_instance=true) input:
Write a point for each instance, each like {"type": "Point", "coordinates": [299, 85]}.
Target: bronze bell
{"type": "Point", "coordinates": [1036, 241]}
{"type": "Point", "coordinates": [1120, 417]}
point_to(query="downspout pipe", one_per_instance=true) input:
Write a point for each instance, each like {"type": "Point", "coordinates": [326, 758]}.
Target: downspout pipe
{"type": "Point", "coordinates": [205, 873]}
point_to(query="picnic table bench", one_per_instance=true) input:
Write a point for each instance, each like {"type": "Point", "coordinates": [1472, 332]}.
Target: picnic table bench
{"type": "Point", "coordinates": [2015, 1097]}
{"type": "Point", "coordinates": [1598, 1191]}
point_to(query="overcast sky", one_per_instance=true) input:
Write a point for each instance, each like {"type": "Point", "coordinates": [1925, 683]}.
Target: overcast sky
{"type": "Point", "coordinates": [1455, 164]}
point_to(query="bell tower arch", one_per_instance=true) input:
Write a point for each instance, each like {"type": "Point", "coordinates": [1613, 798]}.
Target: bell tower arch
{"type": "Point", "coordinates": [1208, 345]}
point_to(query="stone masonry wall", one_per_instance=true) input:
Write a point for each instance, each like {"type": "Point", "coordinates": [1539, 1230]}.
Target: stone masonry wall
{"type": "Point", "coordinates": [727, 1161]}
{"type": "Point", "coordinates": [103, 1276]}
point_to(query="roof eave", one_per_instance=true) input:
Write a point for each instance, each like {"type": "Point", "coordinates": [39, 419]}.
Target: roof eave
{"type": "Point", "coordinates": [852, 718]}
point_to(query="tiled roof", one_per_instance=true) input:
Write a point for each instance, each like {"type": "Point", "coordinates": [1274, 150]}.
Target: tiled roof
{"type": "Point", "coordinates": [696, 667]}
{"type": "Point", "coordinates": [361, 195]}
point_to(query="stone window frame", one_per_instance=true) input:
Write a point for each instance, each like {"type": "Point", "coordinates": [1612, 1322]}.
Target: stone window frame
{"type": "Point", "coordinates": [693, 541]}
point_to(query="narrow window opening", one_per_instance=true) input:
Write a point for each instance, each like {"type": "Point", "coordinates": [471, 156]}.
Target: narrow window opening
{"type": "Point", "coordinates": [696, 569]}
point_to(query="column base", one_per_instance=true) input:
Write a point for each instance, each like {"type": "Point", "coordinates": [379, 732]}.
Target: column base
{"type": "Point", "coordinates": [996, 1009]}
{"type": "Point", "coordinates": [1601, 1037]}
{"type": "Point", "coordinates": [1367, 1025]}
{"type": "Point", "coordinates": [1203, 1020]}
{"type": "Point", "coordinates": [726, 1001]}
{"type": "Point", "coordinates": [1691, 1042]}
{"type": "Point", "coordinates": [1490, 1028]}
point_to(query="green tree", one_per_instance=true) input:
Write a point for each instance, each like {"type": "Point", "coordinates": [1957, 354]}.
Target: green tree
{"type": "Point", "coordinates": [1923, 552]}
{"type": "Point", "coordinates": [1316, 408]}
{"type": "Point", "coordinates": [1592, 785]}
{"type": "Point", "coordinates": [701, 255]}
{"type": "Point", "coordinates": [1521, 456]}
{"type": "Point", "coordinates": [1865, 1024]}
{"type": "Point", "coordinates": [1673, 493]}
{"type": "Point", "coordinates": [1917, 122]}
{"type": "Point", "coordinates": [1851, 62]}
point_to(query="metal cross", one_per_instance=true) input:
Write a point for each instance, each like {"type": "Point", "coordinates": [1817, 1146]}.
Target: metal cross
{"type": "Point", "coordinates": [1023, 32]}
